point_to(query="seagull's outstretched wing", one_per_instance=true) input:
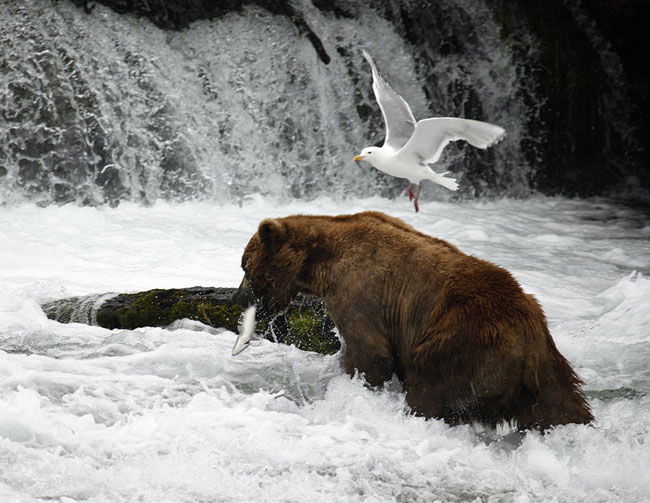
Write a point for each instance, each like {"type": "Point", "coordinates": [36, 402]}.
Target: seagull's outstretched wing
{"type": "Point", "coordinates": [432, 135]}
{"type": "Point", "coordinates": [398, 117]}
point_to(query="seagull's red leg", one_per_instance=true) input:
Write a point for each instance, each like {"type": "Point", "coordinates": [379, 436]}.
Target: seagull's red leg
{"type": "Point", "coordinates": [415, 199]}
{"type": "Point", "coordinates": [411, 195]}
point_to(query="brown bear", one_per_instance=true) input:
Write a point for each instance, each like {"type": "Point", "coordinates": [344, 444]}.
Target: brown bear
{"type": "Point", "coordinates": [464, 339]}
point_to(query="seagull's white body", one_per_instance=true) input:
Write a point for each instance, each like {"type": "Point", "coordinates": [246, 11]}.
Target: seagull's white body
{"type": "Point", "coordinates": [411, 146]}
{"type": "Point", "coordinates": [385, 159]}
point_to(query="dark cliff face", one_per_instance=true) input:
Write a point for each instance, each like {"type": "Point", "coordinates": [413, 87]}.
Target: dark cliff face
{"type": "Point", "coordinates": [594, 130]}
{"type": "Point", "coordinates": [624, 24]}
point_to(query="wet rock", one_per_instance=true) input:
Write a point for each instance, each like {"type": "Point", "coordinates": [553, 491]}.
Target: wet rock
{"type": "Point", "coordinates": [304, 324]}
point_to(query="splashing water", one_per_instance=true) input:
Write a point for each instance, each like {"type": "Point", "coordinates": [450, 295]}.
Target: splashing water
{"type": "Point", "coordinates": [168, 414]}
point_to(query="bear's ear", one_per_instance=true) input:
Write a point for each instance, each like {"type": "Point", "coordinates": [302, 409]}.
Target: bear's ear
{"type": "Point", "coordinates": [273, 234]}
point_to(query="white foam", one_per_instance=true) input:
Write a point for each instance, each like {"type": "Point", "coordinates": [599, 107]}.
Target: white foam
{"type": "Point", "coordinates": [168, 414]}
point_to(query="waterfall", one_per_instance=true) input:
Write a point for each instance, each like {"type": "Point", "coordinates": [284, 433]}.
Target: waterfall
{"type": "Point", "coordinates": [99, 107]}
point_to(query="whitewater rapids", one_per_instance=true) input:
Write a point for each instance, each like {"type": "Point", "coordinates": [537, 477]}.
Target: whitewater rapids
{"type": "Point", "coordinates": [167, 414]}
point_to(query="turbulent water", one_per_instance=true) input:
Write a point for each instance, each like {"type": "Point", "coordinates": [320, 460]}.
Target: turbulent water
{"type": "Point", "coordinates": [167, 414]}
{"type": "Point", "coordinates": [100, 108]}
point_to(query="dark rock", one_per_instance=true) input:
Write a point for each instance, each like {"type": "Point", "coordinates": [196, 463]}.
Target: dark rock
{"type": "Point", "coordinates": [624, 23]}
{"type": "Point", "coordinates": [304, 324]}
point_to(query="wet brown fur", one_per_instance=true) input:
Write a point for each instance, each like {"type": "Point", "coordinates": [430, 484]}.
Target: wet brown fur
{"type": "Point", "coordinates": [467, 343]}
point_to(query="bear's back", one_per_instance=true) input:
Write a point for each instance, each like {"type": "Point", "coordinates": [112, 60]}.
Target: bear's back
{"type": "Point", "coordinates": [350, 229]}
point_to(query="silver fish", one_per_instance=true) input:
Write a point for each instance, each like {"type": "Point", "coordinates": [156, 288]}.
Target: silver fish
{"type": "Point", "coordinates": [246, 331]}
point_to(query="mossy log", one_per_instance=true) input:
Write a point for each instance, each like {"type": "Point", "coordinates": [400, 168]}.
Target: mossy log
{"type": "Point", "coordinates": [304, 324]}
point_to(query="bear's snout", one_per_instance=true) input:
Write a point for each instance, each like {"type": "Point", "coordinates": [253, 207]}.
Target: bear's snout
{"type": "Point", "coordinates": [244, 294]}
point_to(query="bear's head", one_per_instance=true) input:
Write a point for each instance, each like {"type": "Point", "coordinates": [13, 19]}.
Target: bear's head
{"type": "Point", "coordinates": [273, 264]}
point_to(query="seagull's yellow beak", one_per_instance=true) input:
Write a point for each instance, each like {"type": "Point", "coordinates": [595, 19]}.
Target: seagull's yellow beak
{"type": "Point", "coordinates": [357, 158]}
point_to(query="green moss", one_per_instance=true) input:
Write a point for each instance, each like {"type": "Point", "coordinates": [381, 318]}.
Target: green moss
{"type": "Point", "coordinates": [219, 315]}
{"type": "Point", "coordinates": [61, 311]}
{"type": "Point", "coordinates": [307, 332]}
{"type": "Point", "coordinates": [144, 311]}
{"type": "Point", "coordinates": [162, 307]}
{"type": "Point", "coordinates": [181, 309]}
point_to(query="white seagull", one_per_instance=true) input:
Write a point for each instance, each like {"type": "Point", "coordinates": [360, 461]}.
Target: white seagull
{"type": "Point", "coordinates": [409, 146]}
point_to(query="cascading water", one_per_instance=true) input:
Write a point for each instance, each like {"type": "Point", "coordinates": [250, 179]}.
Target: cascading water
{"type": "Point", "coordinates": [98, 108]}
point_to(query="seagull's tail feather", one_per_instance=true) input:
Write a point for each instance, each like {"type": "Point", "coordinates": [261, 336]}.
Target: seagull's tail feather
{"type": "Point", "coordinates": [447, 182]}
{"type": "Point", "coordinates": [480, 134]}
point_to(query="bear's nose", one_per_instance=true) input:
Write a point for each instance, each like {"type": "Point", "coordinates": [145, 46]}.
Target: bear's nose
{"type": "Point", "coordinates": [244, 294]}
